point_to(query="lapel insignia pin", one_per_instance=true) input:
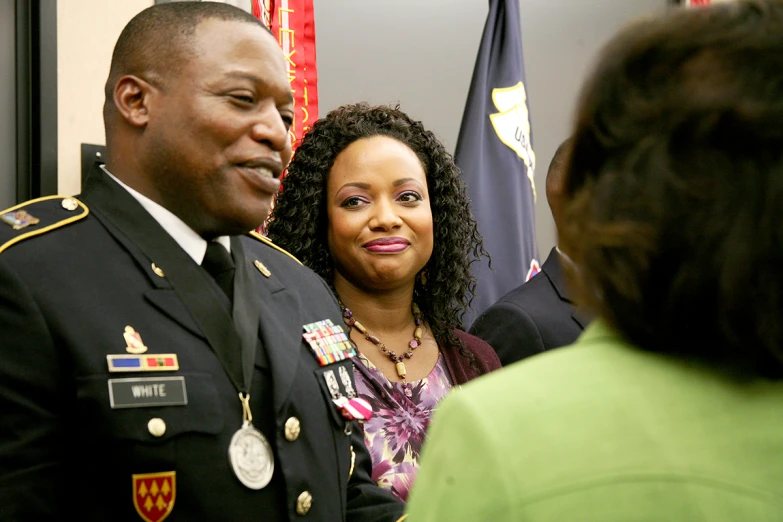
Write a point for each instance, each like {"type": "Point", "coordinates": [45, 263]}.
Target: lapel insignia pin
{"type": "Point", "coordinates": [157, 270]}
{"type": "Point", "coordinates": [133, 341]}
{"type": "Point", "coordinates": [151, 362]}
{"type": "Point", "coordinates": [261, 268]}
{"type": "Point", "coordinates": [154, 495]}
{"type": "Point", "coordinates": [328, 342]}
{"type": "Point", "coordinates": [19, 219]}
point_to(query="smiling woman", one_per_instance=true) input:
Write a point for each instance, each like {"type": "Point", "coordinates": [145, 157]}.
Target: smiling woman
{"type": "Point", "coordinates": [374, 204]}
{"type": "Point", "coordinates": [378, 207]}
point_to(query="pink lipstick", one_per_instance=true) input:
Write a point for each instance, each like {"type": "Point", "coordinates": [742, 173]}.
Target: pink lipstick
{"type": "Point", "coordinates": [387, 245]}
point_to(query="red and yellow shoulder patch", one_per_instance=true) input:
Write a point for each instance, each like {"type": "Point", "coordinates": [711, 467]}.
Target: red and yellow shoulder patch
{"type": "Point", "coordinates": [154, 495]}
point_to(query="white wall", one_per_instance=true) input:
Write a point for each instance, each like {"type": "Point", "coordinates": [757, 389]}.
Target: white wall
{"type": "Point", "coordinates": [421, 54]}
{"type": "Point", "coordinates": [86, 33]}
{"type": "Point", "coordinates": [417, 53]}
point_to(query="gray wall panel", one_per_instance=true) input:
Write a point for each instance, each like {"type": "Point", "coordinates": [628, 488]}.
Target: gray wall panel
{"type": "Point", "coordinates": [421, 54]}
{"type": "Point", "coordinates": [561, 40]}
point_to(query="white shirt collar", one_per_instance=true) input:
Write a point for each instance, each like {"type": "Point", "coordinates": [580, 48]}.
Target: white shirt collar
{"type": "Point", "coordinates": [187, 238]}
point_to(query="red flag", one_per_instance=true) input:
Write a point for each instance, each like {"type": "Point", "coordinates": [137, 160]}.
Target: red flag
{"type": "Point", "coordinates": [292, 23]}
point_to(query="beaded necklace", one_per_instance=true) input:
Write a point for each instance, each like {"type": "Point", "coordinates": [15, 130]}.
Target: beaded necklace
{"type": "Point", "coordinates": [414, 343]}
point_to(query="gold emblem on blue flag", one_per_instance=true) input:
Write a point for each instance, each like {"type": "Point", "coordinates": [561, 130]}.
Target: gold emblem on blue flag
{"type": "Point", "coordinates": [512, 125]}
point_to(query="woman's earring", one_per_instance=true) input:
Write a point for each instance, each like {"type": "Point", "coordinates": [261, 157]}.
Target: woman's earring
{"type": "Point", "coordinates": [423, 277]}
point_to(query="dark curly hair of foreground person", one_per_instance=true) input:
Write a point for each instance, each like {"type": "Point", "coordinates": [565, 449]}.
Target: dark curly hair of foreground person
{"type": "Point", "coordinates": [676, 181]}
{"type": "Point", "coordinates": [299, 222]}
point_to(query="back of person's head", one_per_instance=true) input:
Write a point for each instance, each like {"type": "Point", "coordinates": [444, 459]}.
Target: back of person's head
{"type": "Point", "coordinates": [157, 41]}
{"type": "Point", "coordinates": [677, 180]}
{"type": "Point", "coordinates": [555, 180]}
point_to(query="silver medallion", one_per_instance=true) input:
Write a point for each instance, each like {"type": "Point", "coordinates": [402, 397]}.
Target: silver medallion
{"type": "Point", "coordinates": [251, 457]}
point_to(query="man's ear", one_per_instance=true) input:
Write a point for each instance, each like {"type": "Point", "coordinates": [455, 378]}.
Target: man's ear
{"type": "Point", "coordinates": [132, 99]}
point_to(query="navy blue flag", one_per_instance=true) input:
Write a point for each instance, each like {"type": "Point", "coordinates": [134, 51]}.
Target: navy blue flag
{"type": "Point", "coordinates": [495, 153]}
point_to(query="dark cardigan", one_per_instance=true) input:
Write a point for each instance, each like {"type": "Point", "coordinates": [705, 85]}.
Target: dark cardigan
{"type": "Point", "coordinates": [458, 365]}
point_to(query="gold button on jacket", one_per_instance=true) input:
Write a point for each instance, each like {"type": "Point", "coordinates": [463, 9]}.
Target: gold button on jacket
{"type": "Point", "coordinates": [303, 503]}
{"type": "Point", "coordinates": [70, 204]}
{"type": "Point", "coordinates": [292, 429]}
{"type": "Point", "coordinates": [157, 427]}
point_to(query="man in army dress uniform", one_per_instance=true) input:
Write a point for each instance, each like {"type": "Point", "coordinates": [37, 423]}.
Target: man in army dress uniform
{"type": "Point", "coordinates": [152, 358]}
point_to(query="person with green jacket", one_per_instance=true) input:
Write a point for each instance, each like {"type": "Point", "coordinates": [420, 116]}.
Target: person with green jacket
{"type": "Point", "coordinates": [669, 407]}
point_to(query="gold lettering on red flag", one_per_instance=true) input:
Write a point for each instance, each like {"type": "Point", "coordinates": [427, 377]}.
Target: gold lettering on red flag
{"type": "Point", "coordinates": [293, 24]}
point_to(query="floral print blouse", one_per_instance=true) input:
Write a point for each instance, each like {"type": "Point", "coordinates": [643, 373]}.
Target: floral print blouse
{"type": "Point", "coordinates": [395, 433]}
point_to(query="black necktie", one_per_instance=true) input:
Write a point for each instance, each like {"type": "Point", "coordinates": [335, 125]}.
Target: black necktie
{"type": "Point", "coordinates": [218, 263]}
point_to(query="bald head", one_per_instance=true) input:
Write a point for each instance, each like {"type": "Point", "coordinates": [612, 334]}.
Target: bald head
{"type": "Point", "coordinates": [555, 180]}
{"type": "Point", "coordinates": [158, 40]}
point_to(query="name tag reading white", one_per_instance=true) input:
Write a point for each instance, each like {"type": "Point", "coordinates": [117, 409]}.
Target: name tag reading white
{"type": "Point", "coordinates": [144, 392]}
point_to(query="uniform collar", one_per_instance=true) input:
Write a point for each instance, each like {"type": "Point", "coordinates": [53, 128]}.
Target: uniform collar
{"type": "Point", "coordinates": [187, 238]}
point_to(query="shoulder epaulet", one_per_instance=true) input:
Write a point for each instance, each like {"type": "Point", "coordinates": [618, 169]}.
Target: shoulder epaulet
{"type": "Point", "coordinates": [268, 242]}
{"type": "Point", "coordinates": [38, 216]}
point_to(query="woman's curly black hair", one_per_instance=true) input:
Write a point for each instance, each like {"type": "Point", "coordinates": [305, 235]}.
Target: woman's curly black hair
{"type": "Point", "coordinates": [299, 221]}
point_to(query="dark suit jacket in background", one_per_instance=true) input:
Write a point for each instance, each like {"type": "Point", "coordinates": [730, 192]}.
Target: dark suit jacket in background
{"type": "Point", "coordinates": [534, 317]}
{"type": "Point", "coordinates": [66, 296]}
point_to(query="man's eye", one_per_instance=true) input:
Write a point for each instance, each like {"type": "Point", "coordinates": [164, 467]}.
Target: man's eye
{"type": "Point", "coordinates": [242, 98]}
